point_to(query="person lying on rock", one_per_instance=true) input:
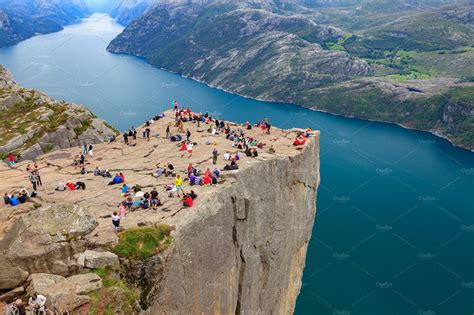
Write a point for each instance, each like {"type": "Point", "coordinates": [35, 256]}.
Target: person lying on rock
{"type": "Point", "coordinates": [80, 185]}
{"type": "Point", "coordinates": [37, 303]}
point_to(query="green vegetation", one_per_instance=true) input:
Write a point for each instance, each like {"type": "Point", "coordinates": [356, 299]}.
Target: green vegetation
{"type": "Point", "coordinates": [114, 293]}
{"type": "Point", "coordinates": [139, 243]}
{"type": "Point", "coordinates": [85, 124]}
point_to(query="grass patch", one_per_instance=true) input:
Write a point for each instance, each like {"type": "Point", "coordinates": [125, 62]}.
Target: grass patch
{"type": "Point", "coordinates": [139, 243]}
{"type": "Point", "coordinates": [113, 295]}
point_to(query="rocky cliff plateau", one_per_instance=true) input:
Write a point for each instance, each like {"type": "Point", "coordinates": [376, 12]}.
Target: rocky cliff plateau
{"type": "Point", "coordinates": [240, 249]}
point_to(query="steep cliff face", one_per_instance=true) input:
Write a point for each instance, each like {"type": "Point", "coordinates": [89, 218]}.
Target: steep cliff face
{"type": "Point", "coordinates": [244, 252]}
{"type": "Point", "coordinates": [240, 249]}
{"type": "Point", "coordinates": [34, 123]}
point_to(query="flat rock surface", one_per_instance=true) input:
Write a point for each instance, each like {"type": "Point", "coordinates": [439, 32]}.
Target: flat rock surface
{"type": "Point", "coordinates": [137, 162]}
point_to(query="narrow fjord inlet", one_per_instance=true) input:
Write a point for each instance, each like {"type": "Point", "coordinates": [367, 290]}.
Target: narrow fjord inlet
{"type": "Point", "coordinates": [394, 227]}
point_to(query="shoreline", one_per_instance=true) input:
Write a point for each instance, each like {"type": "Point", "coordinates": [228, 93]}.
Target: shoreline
{"type": "Point", "coordinates": [431, 132]}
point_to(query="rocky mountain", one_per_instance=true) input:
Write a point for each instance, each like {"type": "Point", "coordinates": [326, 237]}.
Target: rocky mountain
{"type": "Point", "coordinates": [34, 124]}
{"type": "Point", "coordinates": [303, 52]}
{"type": "Point", "coordinates": [240, 249]}
{"type": "Point", "coordinates": [21, 19]}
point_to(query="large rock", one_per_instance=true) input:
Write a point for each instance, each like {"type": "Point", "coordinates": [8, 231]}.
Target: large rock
{"type": "Point", "coordinates": [12, 294]}
{"type": "Point", "coordinates": [94, 259]}
{"type": "Point", "coordinates": [44, 241]}
{"type": "Point", "coordinates": [67, 294]}
{"type": "Point", "coordinates": [41, 281]}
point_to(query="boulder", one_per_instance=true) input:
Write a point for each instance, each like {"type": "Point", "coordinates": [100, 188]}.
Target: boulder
{"type": "Point", "coordinates": [44, 241]}
{"type": "Point", "coordinates": [11, 276]}
{"type": "Point", "coordinates": [39, 282]}
{"type": "Point", "coordinates": [12, 101]}
{"type": "Point", "coordinates": [32, 152]}
{"type": "Point", "coordinates": [67, 294]}
{"type": "Point", "coordinates": [11, 295]}
{"type": "Point", "coordinates": [94, 259]}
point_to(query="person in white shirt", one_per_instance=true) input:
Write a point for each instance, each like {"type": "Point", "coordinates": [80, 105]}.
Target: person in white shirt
{"type": "Point", "coordinates": [116, 222]}
{"type": "Point", "coordinates": [227, 156]}
{"type": "Point", "coordinates": [37, 303]}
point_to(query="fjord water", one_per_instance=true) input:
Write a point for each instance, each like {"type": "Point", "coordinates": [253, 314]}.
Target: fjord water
{"type": "Point", "coordinates": [394, 231]}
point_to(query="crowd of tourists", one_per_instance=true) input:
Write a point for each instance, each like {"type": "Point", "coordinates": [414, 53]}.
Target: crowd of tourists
{"type": "Point", "coordinates": [133, 198]}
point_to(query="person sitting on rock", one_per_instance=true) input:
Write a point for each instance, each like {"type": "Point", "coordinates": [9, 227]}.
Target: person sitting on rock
{"type": "Point", "coordinates": [226, 156]}
{"type": "Point", "coordinates": [116, 180]}
{"type": "Point", "coordinates": [37, 303]}
{"type": "Point", "coordinates": [124, 190]}
{"type": "Point", "coordinates": [24, 196]}
{"type": "Point", "coordinates": [106, 174]}
{"type": "Point", "coordinates": [14, 201]}
{"type": "Point", "coordinates": [254, 153]}
{"type": "Point", "coordinates": [187, 201]}
{"type": "Point", "coordinates": [16, 308]}
{"type": "Point", "coordinates": [97, 171]}
{"type": "Point", "coordinates": [170, 170]}
{"type": "Point", "coordinates": [6, 199]}
{"type": "Point", "coordinates": [60, 186]}
{"type": "Point", "coordinates": [232, 166]}
{"type": "Point", "coordinates": [159, 171]}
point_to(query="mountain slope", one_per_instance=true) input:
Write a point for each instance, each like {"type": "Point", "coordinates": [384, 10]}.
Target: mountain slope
{"type": "Point", "coordinates": [409, 63]}
{"type": "Point", "coordinates": [33, 123]}
{"type": "Point", "coordinates": [21, 19]}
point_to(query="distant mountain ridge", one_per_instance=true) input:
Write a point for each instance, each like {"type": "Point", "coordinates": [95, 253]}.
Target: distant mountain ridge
{"type": "Point", "coordinates": [409, 62]}
{"type": "Point", "coordinates": [22, 19]}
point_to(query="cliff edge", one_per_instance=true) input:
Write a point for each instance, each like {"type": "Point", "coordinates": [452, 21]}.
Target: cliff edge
{"type": "Point", "coordinates": [240, 249]}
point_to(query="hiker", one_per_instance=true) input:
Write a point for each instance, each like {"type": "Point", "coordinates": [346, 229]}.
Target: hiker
{"type": "Point", "coordinates": [168, 133]}
{"type": "Point", "coordinates": [124, 190]}
{"type": "Point", "coordinates": [14, 201]}
{"type": "Point", "coordinates": [82, 160]}
{"type": "Point", "coordinates": [91, 153]}
{"type": "Point", "coordinates": [23, 196]}
{"type": "Point", "coordinates": [37, 303]}
{"type": "Point", "coordinates": [16, 308]}
{"type": "Point", "coordinates": [189, 148]}
{"type": "Point", "coordinates": [80, 185]}
{"type": "Point", "coordinates": [147, 133]}
{"type": "Point", "coordinates": [6, 199]}
{"type": "Point", "coordinates": [187, 201]}
{"type": "Point", "coordinates": [11, 160]}
{"type": "Point", "coordinates": [71, 186]}
{"type": "Point", "coordinates": [192, 194]}
{"type": "Point", "coordinates": [125, 138]}
{"type": "Point", "coordinates": [60, 186]}
{"type": "Point", "coordinates": [116, 221]}
{"type": "Point", "coordinates": [116, 180]}
{"type": "Point", "coordinates": [179, 185]}
{"type": "Point", "coordinates": [254, 153]}
{"type": "Point", "coordinates": [155, 202]}
{"type": "Point", "coordinates": [84, 148]}
{"type": "Point", "coordinates": [33, 180]}
{"type": "Point", "coordinates": [215, 153]}
{"type": "Point", "coordinates": [188, 135]}
{"type": "Point", "coordinates": [134, 133]}
{"type": "Point", "coordinates": [226, 156]}
{"type": "Point", "coordinates": [36, 172]}
{"type": "Point", "coordinates": [122, 207]}
{"type": "Point", "coordinates": [170, 170]}
{"type": "Point", "coordinates": [122, 177]}
{"type": "Point", "coordinates": [159, 171]}
{"type": "Point", "coordinates": [83, 171]}
{"type": "Point", "coordinates": [97, 171]}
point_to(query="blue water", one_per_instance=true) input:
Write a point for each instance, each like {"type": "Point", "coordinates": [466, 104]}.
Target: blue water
{"type": "Point", "coordinates": [394, 232]}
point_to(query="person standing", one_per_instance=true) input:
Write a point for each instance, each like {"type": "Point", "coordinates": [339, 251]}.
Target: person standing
{"type": "Point", "coordinates": [33, 180]}
{"type": "Point", "coordinates": [189, 148]}
{"type": "Point", "coordinates": [91, 153]}
{"type": "Point", "coordinates": [179, 185]}
{"type": "Point", "coordinates": [125, 137]}
{"type": "Point", "coordinates": [188, 134]}
{"type": "Point", "coordinates": [147, 132]}
{"type": "Point", "coordinates": [11, 160]}
{"type": "Point", "coordinates": [116, 221]}
{"type": "Point", "coordinates": [215, 153]}
{"type": "Point", "coordinates": [84, 150]}
{"type": "Point", "coordinates": [37, 174]}
{"type": "Point", "coordinates": [168, 131]}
